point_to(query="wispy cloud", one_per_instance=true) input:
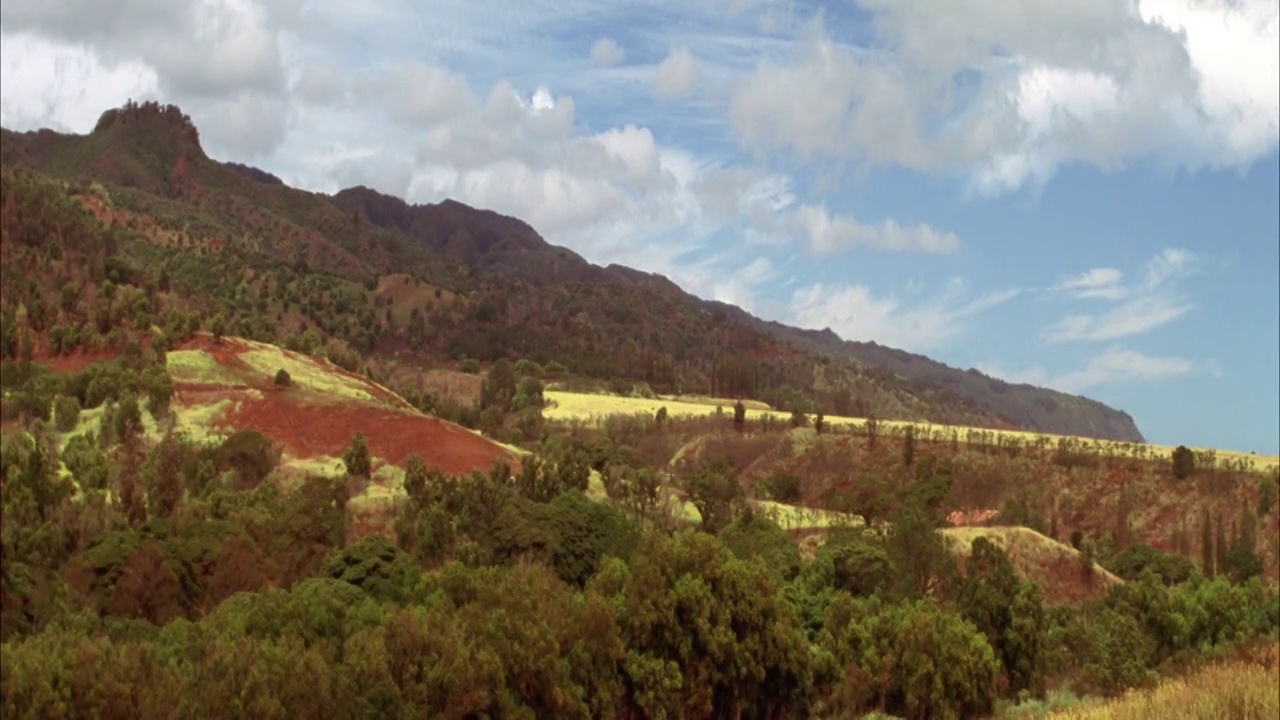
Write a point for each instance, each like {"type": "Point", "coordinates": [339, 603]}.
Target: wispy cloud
{"type": "Point", "coordinates": [828, 233]}
{"type": "Point", "coordinates": [855, 312]}
{"type": "Point", "coordinates": [1111, 367]}
{"type": "Point", "coordinates": [1102, 283]}
{"type": "Point", "coordinates": [1154, 302]}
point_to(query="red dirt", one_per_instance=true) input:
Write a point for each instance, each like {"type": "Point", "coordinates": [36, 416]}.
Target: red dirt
{"type": "Point", "coordinates": [75, 362]}
{"type": "Point", "coordinates": [313, 430]}
{"type": "Point", "coordinates": [310, 430]}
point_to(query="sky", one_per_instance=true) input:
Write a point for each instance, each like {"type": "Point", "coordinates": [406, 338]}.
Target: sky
{"type": "Point", "coordinates": [1081, 195]}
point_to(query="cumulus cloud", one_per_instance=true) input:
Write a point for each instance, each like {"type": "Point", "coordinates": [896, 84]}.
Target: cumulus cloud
{"type": "Point", "coordinates": [855, 312]}
{"type": "Point", "coordinates": [48, 84]}
{"type": "Point", "coordinates": [1111, 367]}
{"type": "Point", "coordinates": [677, 74]}
{"type": "Point", "coordinates": [220, 59]}
{"type": "Point", "coordinates": [1147, 305]}
{"type": "Point", "coordinates": [606, 52]}
{"type": "Point", "coordinates": [1094, 82]}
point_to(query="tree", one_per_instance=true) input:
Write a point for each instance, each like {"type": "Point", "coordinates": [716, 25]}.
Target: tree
{"type": "Point", "coordinates": [739, 416]}
{"type": "Point", "coordinates": [1008, 612]}
{"type": "Point", "coordinates": [714, 491]}
{"type": "Point", "coordinates": [909, 446]}
{"type": "Point", "coordinates": [415, 479]}
{"type": "Point", "coordinates": [251, 454]}
{"type": "Point", "coordinates": [164, 492]}
{"type": "Point", "coordinates": [1207, 564]}
{"type": "Point", "coordinates": [283, 380]}
{"type": "Point", "coordinates": [127, 421]}
{"type": "Point", "coordinates": [924, 565]}
{"type": "Point", "coordinates": [1268, 489]}
{"type": "Point", "coordinates": [819, 423]}
{"type": "Point", "coordinates": [499, 388]}
{"type": "Point", "coordinates": [660, 417]}
{"type": "Point", "coordinates": [1184, 462]}
{"type": "Point", "coordinates": [356, 458]}
{"type": "Point", "coordinates": [218, 327]}
{"type": "Point", "coordinates": [66, 413]}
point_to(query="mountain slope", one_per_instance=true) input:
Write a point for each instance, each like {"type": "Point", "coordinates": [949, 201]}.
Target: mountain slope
{"type": "Point", "coordinates": [1021, 405]}
{"type": "Point", "coordinates": [279, 262]}
{"type": "Point", "coordinates": [512, 248]}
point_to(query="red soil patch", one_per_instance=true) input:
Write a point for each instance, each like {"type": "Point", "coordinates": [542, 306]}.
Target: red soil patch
{"type": "Point", "coordinates": [314, 430]}
{"type": "Point", "coordinates": [226, 351]}
{"type": "Point", "coordinates": [75, 362]}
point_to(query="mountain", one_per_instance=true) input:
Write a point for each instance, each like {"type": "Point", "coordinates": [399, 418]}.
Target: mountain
{"type": "Point", "coordinates": [401, 285]}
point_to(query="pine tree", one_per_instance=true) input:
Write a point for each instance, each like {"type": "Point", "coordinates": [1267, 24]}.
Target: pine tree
{"type": "Point", "coordinates": [1207, 565]}
{"type": "Point", "coordinates": [1220, 544]}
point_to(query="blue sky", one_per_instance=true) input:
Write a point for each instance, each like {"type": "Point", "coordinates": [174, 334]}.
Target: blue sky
{"type": "Point", "coordinates": [1080, 195]}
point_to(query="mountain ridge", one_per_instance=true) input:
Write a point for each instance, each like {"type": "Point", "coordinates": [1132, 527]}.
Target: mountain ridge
{"type": "Point", "coordinates": [518, 294]}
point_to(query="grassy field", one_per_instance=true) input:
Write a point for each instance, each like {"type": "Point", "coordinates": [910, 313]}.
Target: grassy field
{"type": "Point", "coordinates": [593, 408]}
{"type": "Point", "coordinates": [1241, 689]}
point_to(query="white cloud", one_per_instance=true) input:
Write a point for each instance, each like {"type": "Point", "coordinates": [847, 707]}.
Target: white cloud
{"type": "Point", "coordinates": [220, 59]}
{"type": "Point", "coordinates": [418, 94]}
{"type": "Point", "coordinates": [1133, 317]}
{"type": "Point", "coordinates": [1009, 92]}
{"type": "Point", "coordinates": [49, 84]}
{"type": "Point", "coordinates": [677, 74]}
{"type": "Point", "coordinates": [1141, 308]}
{"type": "Point", "coordinates": [828, 233]}
{"type": "Point", "coordinates": [1110, 367]}
{"type": "Point", "coordinates": [1105, 283]}
{"type": "Point", "coordinates": [854, 312]}
{"type": "Point", "coordinates": [606, 52]}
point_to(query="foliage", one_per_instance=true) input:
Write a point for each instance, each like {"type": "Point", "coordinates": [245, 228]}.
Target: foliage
{"type": "Point", "coordinates": [356, 458]}
{"type": "Point", "coordinates": [1184, 462]}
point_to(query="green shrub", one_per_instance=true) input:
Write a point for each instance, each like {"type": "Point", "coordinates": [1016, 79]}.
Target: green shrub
{"type": "Point", "coordinates": [66, 413]}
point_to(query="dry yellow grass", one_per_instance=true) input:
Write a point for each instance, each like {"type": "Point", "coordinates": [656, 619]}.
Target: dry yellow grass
{"type": "Point", "coordinates": [593, 408]}
{"type": "Point", "coordinates": [1244, 689]}
{"type": "Point", "coordinates": [1053, 565]}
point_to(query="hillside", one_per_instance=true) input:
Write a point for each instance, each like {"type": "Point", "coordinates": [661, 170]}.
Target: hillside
{"type": "Point", "coordinates": [221, 386]}
{"type": "Point", "coordinates": [491, 287]}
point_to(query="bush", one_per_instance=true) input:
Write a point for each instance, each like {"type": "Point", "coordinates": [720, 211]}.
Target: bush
{"type": "Point", "coordinates": [356, 458]}
{"type": "Point", "coordinates": [282, 378]}
{"type": "Point", "coordinates": [1184, 462]}
{"type": "Point", "coordinates": [66, 413]}
{"type": "Point", "coordinates": [469, 365]}
{"type": "Point", "coordinates": [252, 455]}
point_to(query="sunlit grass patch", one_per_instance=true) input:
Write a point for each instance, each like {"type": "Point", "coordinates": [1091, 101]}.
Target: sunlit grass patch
{"type": "Point", "coordinates": [306, 373]}
{"type": "Point", "coordinates": [200, 420]}
{"type": "Point", "coordinates": [199, 367]}
{"type": "Point", "coordinates": [595, 487]}
{"type": "Point", "coordinates": [594, 408]}
{"type": "Point", "coordinates": [794, 517]}
{"type": "Point", "coordinates": [318, 465]}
